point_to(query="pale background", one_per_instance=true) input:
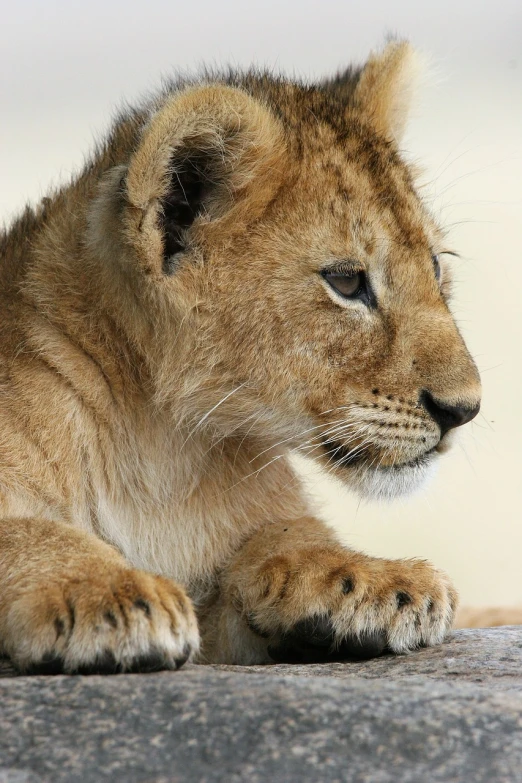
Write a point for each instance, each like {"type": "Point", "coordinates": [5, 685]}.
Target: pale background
{"type": "Point", "coordinates": [64, 66]}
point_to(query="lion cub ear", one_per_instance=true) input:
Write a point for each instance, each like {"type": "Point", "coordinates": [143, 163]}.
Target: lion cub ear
{"type": "Point", "coordinates": [385, 88]}
{"type": "Point", "coordinates": [197, 161]}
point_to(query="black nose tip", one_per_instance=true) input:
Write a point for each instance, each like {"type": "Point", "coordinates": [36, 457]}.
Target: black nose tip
{"type": "Point", "coordinates": [447, 416]}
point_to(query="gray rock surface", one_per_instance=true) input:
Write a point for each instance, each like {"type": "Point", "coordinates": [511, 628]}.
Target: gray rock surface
{"type": "Point", "coordinates": [453, 713]}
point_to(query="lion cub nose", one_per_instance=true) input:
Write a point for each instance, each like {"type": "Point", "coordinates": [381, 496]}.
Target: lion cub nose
{"type": "Point", "coordinates": [447, 416]}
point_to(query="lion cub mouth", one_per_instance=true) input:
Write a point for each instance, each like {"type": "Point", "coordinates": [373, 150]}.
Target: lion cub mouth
{"type": "Point", "coordinates": [340, 455]}
{"type": "Point", "coordinates": [375, 481]}
{"type": "Point", "coordinates": [346, 457]}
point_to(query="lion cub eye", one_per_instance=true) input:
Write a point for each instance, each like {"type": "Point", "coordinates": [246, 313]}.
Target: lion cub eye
{"type": "Point", "coordinates": [351, 286]}
{"type": "Point", "coordinates": [436, 267]}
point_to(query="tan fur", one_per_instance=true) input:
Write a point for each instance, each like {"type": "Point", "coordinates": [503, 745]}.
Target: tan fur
{"type": "Point", "coordinates": [150, 399]}
{"type": "Point", "coordinates": [488, 617]}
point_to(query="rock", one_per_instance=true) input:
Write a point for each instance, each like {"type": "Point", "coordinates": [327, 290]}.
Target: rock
{"type": "Point", "coordinates": [453, 713]}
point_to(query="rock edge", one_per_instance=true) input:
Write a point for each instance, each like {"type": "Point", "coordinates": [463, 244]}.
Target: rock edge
{"type": "Point", "coordinates": [451, 713]}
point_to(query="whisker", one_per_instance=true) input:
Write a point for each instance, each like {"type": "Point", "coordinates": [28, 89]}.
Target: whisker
{"type": "Point", "coordinates": [227, 434]}
{"type": "Point", "coordinates": [487, 422]}
{"type": "Point", "coordinates": [205, 417]}
{"type": "Point", "coordinates": [255, 472]}
{"type": "Point", "coordinates": [291, 437]}
{"type": "Point", "coordinates": [338, 431]}
{"type": "Point", "coordinates": [310, 429]}
{"type": "Point", "coordinates": [319, 445]}
{"type": "Point", "coordinates": [247, 433]}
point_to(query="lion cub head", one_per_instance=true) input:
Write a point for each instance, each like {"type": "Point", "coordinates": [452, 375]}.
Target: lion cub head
{"type": "Point", "coordinates": [292, 286]}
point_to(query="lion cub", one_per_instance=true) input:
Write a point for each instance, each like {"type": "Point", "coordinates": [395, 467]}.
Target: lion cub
{"type": "Point", "coordinates": [243, 269]}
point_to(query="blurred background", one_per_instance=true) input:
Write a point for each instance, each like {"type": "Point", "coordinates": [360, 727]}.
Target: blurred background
{"type": "Point", "coordinates": [65, 67]}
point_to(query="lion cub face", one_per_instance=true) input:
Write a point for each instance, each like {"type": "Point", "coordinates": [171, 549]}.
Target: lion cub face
{"type": "Point", "coordinates": [307, 279]}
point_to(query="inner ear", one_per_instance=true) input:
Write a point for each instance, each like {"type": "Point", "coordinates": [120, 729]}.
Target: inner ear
{"type": "Point", "coordinates": [192, 180]}
{"type": "Point", "coordinates": [209, 153]}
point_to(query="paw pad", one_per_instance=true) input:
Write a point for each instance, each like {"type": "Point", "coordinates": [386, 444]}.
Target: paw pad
{"type": "Point", "coordinates": [314, 641]}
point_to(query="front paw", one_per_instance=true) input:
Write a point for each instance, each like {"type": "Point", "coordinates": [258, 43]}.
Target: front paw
{"type": "Point", "coordinates": [114, 621]}
{"type": "Point", "coordinates": [332, 604]}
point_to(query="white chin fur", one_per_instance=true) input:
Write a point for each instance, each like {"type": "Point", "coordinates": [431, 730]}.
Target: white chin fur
{"type": "Point", "coordinates": [389, 483]}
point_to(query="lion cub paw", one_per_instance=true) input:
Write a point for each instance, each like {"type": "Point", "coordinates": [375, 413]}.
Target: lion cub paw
{"type": "Point", "coordinates": [122, 621]}
{"type": "Point", "coordinates": [332, 604]}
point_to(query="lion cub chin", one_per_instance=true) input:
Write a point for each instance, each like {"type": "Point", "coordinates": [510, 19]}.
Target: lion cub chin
{"type": "Point", "coordinates": [242, 271]}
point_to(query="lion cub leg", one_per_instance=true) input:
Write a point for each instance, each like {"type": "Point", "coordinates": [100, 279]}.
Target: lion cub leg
{"type": "Point", "coordinates": [69, 602]}
{"type": "Point", "coordinates": [293, 593]}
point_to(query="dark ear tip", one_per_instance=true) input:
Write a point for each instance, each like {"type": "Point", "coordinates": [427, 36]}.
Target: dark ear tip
{"type": "Point", "coordinates": [343, 84]}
